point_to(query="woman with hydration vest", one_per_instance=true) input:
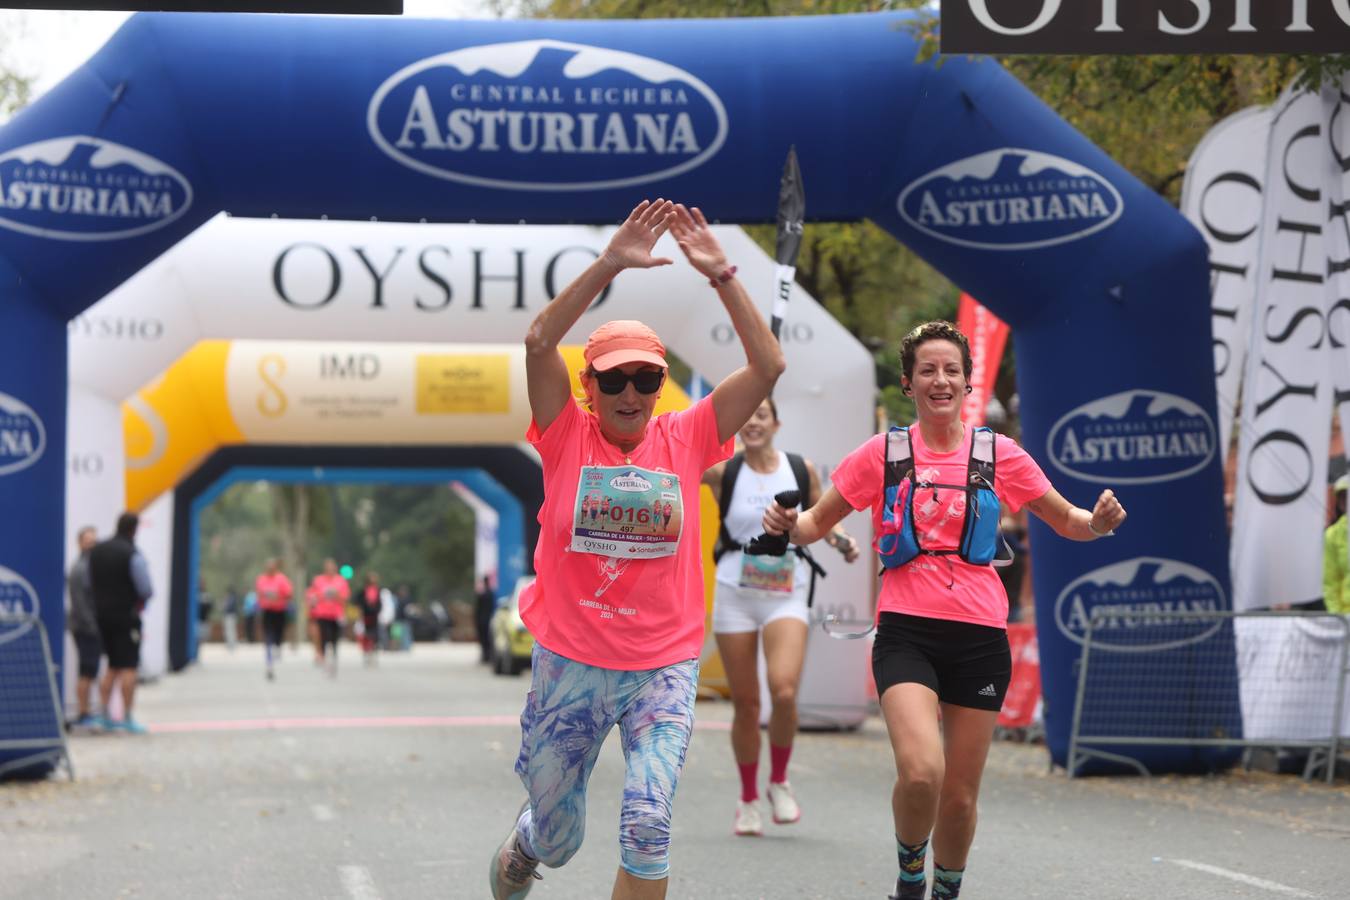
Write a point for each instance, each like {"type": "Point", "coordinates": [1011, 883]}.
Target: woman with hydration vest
{"type": "Point", "coordinates": [768, 594]}
{"type": "Point", "coordinates": [941, 644]}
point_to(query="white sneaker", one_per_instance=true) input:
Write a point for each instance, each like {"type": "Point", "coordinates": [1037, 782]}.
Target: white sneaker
{"type": "Point", "coordinates": [749, 823]}
{"type": "Point", "coordinates": [784, 805]}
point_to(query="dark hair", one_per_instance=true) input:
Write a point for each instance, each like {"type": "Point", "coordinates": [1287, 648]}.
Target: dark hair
{"type": "Point", "coordinates": [773, 407]}
{"type": "Point", "coordinates": [933, 331]}
{"type": "Point", "coordinates": [127, 523]}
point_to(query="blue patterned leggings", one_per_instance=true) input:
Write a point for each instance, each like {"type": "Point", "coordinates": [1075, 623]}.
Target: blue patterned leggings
{"type": "Point", "coordinates": [570, 709]}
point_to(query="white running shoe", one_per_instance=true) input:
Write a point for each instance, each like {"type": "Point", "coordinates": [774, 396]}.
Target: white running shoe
{"type": "Point", "coordinates": [784, 804]}
{"type": "Point", "coordinates": [749, 823]}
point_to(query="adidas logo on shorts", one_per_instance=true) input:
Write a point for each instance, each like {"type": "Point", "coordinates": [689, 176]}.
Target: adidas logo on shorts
{"type": "Point", "coordinates": [988, 691]}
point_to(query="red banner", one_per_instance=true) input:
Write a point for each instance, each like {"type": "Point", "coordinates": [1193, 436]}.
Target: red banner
{"type": "Point", "coordinates": [987, 334]}
{"type": "Point", "coordinates": [1021, 705]}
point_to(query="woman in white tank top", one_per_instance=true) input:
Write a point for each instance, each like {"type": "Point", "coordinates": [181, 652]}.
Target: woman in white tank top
{"type": "Point", "coordinates": [762, 594]}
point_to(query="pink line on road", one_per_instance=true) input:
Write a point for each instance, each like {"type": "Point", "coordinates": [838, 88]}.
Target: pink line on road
{"type": "Point", "coordinates": [285, 724]}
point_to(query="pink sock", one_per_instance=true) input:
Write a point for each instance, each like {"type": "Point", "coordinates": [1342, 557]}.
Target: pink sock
{"type": "Point", "coordinates": [779, 758]}
{"type": "Point", "coordinates": [749, 781]}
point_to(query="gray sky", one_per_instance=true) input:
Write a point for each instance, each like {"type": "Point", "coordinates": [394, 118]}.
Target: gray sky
{"type": "Point", "coordinates": [47, 45]}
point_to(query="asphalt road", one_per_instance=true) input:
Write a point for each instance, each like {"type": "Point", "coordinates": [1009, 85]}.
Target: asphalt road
{"type": "Point", "coordinates": [397, 782]}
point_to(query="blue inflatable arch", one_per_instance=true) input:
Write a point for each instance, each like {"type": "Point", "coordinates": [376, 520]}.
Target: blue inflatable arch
{"type": "Point", "coordinates": [1104, 284]}
{"type": "Point", "coordinates": [502, 476]}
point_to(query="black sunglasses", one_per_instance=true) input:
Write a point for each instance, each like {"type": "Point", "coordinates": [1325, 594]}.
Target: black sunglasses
{"type": "Point", "coordinates": [613, 381]}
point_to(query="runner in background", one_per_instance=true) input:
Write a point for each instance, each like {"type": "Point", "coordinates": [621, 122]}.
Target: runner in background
{"type": "Point", "coordinates": [328, 595]}
{"type": "Point", "coordinates": [369, 602]}
{"type": "Point", "coordinates": [273, 590]}
{"type": "Point", "coordinates": [762, 595]}
{"type": "Point", "coordinates": [941, 641]}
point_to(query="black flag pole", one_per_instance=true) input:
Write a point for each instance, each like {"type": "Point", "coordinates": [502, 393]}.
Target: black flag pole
{"type": "Point", "coordinates": [791, 214]}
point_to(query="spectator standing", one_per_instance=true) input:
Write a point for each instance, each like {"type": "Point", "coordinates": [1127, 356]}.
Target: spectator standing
{"type": "Point", "coordinates": [251, 617]}
{"type": "Point", "coordinates": [484, 607]}
{"type": "Point", "coordinates": [120, 583]}
{"type": "Point", "coordinates": [82, 621]}
{"type": "Point", "coordinates": [1335, 553]}
{"type": "Point", "coordinates": [229, 617]}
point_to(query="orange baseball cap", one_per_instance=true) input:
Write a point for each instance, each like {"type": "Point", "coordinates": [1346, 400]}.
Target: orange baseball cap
{"type": "Point", "coordinates": [624, 341]}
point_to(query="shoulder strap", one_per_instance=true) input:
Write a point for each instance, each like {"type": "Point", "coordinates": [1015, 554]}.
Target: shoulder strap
{"type": "Point", "coordinates": [803, 477]}
{"type": "Point", "coordinates": [899, 456]}
{"type": "Point", "coordinates": [729, 475]}
{"type": "Point", "coordinates": [982, 456]}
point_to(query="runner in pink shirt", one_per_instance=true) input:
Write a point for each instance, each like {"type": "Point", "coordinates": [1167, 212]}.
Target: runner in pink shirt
{"type": "Point", "coordinates": [274, 597]}
{"type": "Point", "coordinates": [617, 609]}
{"type": "Point", "coordinates": [941, 641]}
{"type": "Point", "coordinates": [329, 593]}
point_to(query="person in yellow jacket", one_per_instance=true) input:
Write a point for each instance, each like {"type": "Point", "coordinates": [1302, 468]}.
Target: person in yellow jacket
{"type": "Point", "coordinates": [1336, 557]}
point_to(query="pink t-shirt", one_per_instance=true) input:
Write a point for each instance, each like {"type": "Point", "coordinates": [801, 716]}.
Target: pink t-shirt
{"type": "Point", "coordinates": [267, 586]}
{"type": "Point", "coordinates": [940, 587]}
{"type": "Point", "coordinates": [326, 605]}
{"type": "Point", "coordinates": [608, 611]}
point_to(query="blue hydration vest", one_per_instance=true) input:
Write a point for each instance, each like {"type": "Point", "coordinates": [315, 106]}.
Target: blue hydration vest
{"type": "Point", "coordinates": [980, 539]}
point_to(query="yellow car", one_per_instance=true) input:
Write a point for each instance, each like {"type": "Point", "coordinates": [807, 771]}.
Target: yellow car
{"type": "Point", "coordinates": [512, 643]}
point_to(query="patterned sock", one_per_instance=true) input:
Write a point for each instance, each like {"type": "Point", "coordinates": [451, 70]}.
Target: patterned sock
{"type": "Point", "coordinates": [749, 781]}
{"type": "Point", "coordinates": [524, 825]}
{"type": "Point", "coordinates": [946, 883]}
{"type": "Point", "coordinates": [778, 759]}
{"type": "Point", "coordinates": [912, 857]}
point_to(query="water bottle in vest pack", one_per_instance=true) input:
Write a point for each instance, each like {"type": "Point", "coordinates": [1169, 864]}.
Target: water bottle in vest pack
{"type": "Point", "coordinates": [898, 542]}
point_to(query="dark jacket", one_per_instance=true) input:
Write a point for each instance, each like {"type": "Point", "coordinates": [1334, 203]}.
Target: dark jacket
{"type": "Point", "coordinates": [119, 589]}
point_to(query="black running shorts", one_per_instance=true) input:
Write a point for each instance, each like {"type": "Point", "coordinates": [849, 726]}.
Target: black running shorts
{"type": "Point", "coordinates": [274, 626]}
{"type": "Point", "coordinates": [964, 664]}
{"type": "Point", "coordinates": [329, 631]}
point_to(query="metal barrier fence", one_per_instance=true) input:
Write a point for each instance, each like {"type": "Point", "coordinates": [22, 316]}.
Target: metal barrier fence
{"type": "Point", "coordinates": [1161, 679]}
{"type": "Point", "coordinates": [32, 732]}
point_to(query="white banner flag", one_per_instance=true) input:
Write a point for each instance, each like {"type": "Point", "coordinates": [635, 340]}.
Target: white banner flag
{"type": "Point", "coordinates": [1222, 197]}
{"type": "Point", "coordinates": [1285, 428]}
{"type": "Point", "coordinates": [1336, 115]}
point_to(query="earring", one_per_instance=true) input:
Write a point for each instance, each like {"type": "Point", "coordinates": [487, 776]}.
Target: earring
{"type": "Point", "coordinates": [970, 388]}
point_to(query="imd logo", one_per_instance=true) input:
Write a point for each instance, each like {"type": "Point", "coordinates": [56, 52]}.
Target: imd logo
{"type": "Point", "coordinates": [546, 115]}
{"type": "Point", "coordinates": [84, 188]}
{"type": "Point", "coordinates": [17, 597]}
{"type": "Point", "coordinates": [22, 437]}
{"type": "Point", "coordinates": [1128, 596]}
{"type": "Point", "coordinates": [1135, 437]}
{"type": "Point", "coordinates": [1010, 199]}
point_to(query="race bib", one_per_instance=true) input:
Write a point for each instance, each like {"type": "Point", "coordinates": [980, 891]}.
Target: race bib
{"type": "Point", "coordinates": [627, 512]}
{"type": "Point", "coordinates": [768, 574]}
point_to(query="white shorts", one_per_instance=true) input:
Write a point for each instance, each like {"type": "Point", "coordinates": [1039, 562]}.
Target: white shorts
{"type": "Point", "coordinates": [737, 611]}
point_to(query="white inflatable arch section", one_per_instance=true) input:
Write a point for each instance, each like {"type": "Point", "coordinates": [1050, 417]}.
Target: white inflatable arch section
{"type": "Point", "coordinates": [341, 281]}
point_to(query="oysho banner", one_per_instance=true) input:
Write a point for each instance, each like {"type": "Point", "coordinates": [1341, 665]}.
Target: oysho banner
{"type": "Point", "coordinates": [1222, 197]}
{"type": "Point", "coordinates": [1287, 398]}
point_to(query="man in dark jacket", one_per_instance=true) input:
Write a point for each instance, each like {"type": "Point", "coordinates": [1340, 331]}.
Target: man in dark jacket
{"type": "Point", "coordinates": [120, 582]}
{"type": "Point", "coordinates": [485, 606]}
{"type": "Point", "coordinates": [82, 622]}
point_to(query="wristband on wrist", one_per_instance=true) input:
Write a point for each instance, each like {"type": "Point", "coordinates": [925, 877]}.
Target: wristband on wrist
{"type": "Point", "coordinates": [722, 279]}
{"type": "Point", "coordinates": [1100, 534]}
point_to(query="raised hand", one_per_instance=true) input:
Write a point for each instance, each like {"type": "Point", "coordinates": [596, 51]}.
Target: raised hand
{"type": "Point", "coordinates": [691, 232]}
{"type": "Point", "coordinates": [1108, 513]}
{"type": "Point", "coordinates": [631, 246]}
